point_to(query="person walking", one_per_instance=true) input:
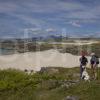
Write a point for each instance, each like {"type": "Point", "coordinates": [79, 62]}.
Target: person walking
{"type": "Point", "coordinates": [83, 62]}
{"type": "Point", "coordinates": [94, 61]}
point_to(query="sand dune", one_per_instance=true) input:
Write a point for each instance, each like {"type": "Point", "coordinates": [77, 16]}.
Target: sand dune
{"type": "Point", "coordinates": [36, 60]}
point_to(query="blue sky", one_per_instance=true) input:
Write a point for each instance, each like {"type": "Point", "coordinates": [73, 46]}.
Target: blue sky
{"type": "Point", "coordinates": [43, 17]}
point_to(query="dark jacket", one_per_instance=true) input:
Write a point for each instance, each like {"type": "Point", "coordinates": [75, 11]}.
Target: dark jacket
{"type": "Point", "coordinates": [83, 60]}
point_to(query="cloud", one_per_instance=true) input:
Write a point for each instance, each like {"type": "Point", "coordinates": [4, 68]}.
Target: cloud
{"type": "Point", "coordinates": [52, 6]}
{"type": "Point", "coordinates": [75, 24]}
{"type": "Point", "coordinates": [7, 7]}
{"type": "Point", "coordinates": [65, 8]}
{"type": "Point", "coordinates": [49, 15]}
{"type": "Point", "coordinates": [29, 20]}
{"type": "Point", "coordinates": [88, 14]}
{"type": "Point", "coordinates": [36, 31]}
{"type": "Point", "coordinates": [50, 30]}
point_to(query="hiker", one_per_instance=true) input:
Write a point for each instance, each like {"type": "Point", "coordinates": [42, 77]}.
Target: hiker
{"type": "Point", "coordinates": [94, 61]}
{"type": "Point", "coordinates": [83, 63]}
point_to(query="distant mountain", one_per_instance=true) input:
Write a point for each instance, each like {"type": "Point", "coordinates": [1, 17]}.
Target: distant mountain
{"type": "Point", "coordinates": [48, 38]}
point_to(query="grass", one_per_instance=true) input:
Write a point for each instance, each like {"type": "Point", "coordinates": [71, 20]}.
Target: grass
{"type": "Point", "coordinates": [18, 85]}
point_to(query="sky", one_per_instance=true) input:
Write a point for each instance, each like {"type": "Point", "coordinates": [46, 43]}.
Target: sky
{"type": "Point", "coordinates": [19, 18]}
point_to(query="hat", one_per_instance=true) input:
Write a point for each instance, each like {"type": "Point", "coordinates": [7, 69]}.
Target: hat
{"type": "Point", "coordinates": [83, 53]}
{"type": "Point", "coordinates": [92, 54]}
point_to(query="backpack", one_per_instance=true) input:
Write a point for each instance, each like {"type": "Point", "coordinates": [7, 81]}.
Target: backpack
{"type": "Point", "coordinates": [97, 60]}
{"type": "Point", "coordinates": [94, 60]}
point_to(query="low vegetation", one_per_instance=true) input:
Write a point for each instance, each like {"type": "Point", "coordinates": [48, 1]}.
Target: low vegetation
{"type": "Point", "coordinates": [47, 85]}
{"type": "Point", "coordinates": [76, 50]}
{"type": "Point", "coordinates": [21, 47]}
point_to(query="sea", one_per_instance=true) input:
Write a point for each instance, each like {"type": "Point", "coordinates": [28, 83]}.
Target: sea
{"type": "Point", "coordinates": [4, 51]}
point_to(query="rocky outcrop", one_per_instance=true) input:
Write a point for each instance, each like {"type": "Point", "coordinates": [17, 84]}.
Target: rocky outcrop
{"type": "Point", "coordinates": [72, 98]}
{"type": "Point", "coordinates": [49, 70]}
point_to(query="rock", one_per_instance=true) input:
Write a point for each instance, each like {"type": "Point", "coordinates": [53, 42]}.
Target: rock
{"type": "Point", "coordinates": [54, 70]}
{"type": "Point", "coordinates": [29, 71]}
{"type": "Point", "coordinates": [25, 70]}
{"type": "Point", "coordinates": [49, 84]}
{"type": "Point", "coordinates": [49, 70]}
{"type": "Point", "coordinates": [71, 98]}
{"type": "Point", "coordinates": [43, 69]}
{"type": "Point", "coordinates": [68, 83]}
{"type": "Point", "coordinates": [65, 86]}
{"type": "Point", "coordinates": [76, 74]}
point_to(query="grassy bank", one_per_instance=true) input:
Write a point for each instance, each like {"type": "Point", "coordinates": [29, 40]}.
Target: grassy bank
{"type": "Point", "coordinates": [46, 85]}
{"type": "Point", "coordinates": [76, 50]}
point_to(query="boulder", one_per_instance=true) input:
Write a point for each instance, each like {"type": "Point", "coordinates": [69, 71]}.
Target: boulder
{"type": "Point", "coordinates": [71, 98]}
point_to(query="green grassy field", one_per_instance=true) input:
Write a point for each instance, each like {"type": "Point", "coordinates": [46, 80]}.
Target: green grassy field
{"type": "Point", "coordinates": [18, 85]}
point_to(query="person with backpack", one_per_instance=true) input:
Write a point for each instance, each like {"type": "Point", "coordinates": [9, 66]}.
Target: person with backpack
{"type": "Point", "coordinates": [94, 61]}
{"type": "Point", "coordinates": [83, 62]}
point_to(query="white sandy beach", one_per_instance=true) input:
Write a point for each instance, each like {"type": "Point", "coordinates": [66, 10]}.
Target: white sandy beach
{"type": "Point", "coordinates": [36, 60]}
{"type": "Point", "coordinates": [76, 42]}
